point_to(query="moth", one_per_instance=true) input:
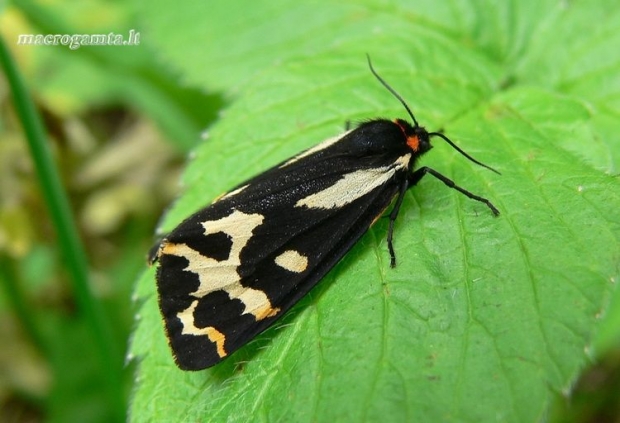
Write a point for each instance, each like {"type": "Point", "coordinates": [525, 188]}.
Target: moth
{"type": "Point", "coordinates": [229, 271]}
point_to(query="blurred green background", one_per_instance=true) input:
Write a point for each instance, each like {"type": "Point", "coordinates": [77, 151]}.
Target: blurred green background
{"type": "Point", "coordinates": [119, 127]}
{"type": "Point", "coordinates": [120, 122]}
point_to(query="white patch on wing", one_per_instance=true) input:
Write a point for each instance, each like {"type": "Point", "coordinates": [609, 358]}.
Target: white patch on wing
{"type": "Point", "coordinates": [312, 150]}
{"type": "Point", "coordinates": [232, 193]}
{"type": "Point", "coordinates": [352, 186]}
{"type": "Point", "coordinates": [222, 275]}
{"type": "Point", "coordinates": [189, 328]}
{"type": "Point", "coordinates": [292, 261]}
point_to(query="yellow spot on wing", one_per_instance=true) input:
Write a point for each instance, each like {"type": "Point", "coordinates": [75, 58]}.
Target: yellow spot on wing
{"type": "Point", "coordinates": [231, 193]}
{"type": "Point", "coordinates": [292, 261]}
{"type": "Point", "coordinates": [189, 328]}
{"type": "Point", "coordinates": [265, 312]}
{"type": "Point", "coordinates": [352, 186]}
{"type": "Point", "coordinates": [218, 338]}
{"type": "Point", "coordinates": [322, 146]}
{"type": "Point", "coordinates": [215, 275]}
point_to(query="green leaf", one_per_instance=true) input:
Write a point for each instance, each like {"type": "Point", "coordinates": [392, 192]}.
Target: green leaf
{"type": "Point", "coordinates": [483, 318]}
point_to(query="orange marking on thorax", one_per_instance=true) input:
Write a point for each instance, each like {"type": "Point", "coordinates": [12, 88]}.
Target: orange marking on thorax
{"type": "Point", "coordinates": [413, 142]}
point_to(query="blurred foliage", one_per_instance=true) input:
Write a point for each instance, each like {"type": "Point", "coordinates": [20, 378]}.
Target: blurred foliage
{"type": "Point", "coordinates": [110, 119]}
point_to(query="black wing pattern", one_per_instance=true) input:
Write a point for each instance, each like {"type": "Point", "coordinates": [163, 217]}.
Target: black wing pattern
{"type": "Point", "coordinates": [230, 270]}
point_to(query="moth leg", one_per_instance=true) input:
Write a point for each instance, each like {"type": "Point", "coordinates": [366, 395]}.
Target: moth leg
{"type": "Point", "coordinates": [393, 214]}
{"type": "Point", "coordinates": [415, 177]}
{"type": "Point", "coordinates": [347, 125]}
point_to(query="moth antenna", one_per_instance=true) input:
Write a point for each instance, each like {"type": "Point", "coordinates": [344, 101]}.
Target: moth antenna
{"type": "Point", "coordinates": [457, 148]}
{"type": "Point", "coordinates": [390, 89]}
{"type": "Point", "coordinates": [415, 122]}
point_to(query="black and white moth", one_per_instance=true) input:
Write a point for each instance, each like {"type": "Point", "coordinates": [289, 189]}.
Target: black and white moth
{"type": "Point", "coordinates": [230, 270]}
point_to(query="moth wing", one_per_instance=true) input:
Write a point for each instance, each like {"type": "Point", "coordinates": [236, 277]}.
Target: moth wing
{"type": "Point", "coordinates": [228, 271]}
{"type": "Point", "coordinates": [221, 286]}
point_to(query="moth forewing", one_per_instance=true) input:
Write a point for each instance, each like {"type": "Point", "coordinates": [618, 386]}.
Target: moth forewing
{"type": "Point", "coordinates": [230, 270]}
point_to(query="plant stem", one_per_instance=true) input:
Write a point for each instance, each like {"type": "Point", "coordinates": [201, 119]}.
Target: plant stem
{"type": "Point", "coordinates": [70, 245]}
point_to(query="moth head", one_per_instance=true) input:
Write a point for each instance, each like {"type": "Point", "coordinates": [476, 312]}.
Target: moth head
{"type": "Point", "coordinates": [417, 138]}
